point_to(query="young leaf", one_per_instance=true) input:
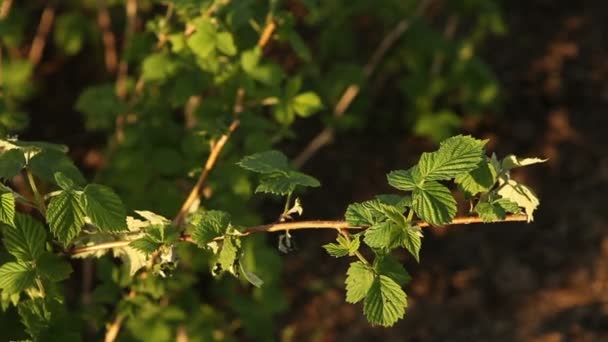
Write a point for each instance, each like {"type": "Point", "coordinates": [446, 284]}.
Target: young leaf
{"type": "Point", "coordinates": [385, 302]}
{"type": "Point", "coordinates": [7, 207]}
{"type": "Point", "coordinates": [405, 180]}
{"type": "Point", "coordinates": [479, 180]}
{"type": "Point", "coordinates": [434, 203]}
{"type": "Point", "coordinates": [25, 240]}
{"type": "Point", "coordinates": [251, 277]}
{"type": "Point", "coordinates": [214, 223]}
{"type": "Point", "coordinates": [343, 247]}
{"type": "Point", "coordinates": [11, 162]}
{"type": "Point", "coordinates": [359, 215]}
{"type": "Point", "coordinates": [16, 277]}
{"type": "Point", "coordinates": [411, 239]}
{"type": "Point", "coordinates": [306, 104]}
{"type": "Point", "coordinates": [285, 183]}
{"type": "Point", "coordinates": [456, 155]}
{"type": "Point", "coordinates": [389, 266]}
{"type": "Point", "coordinates": [104, 208]}
{"type": "Point", "coordinates": [225, 43]}
{"type": "Point", "coordinates": [520, 194]}
{"type": "Point", "coordinates": [228, 254]}
{"type": "Point", "coordinates": [65, 215]}
{"type": "Point", "coordinates": [145, 244]}
{"type": "Point", "coordinates": [265, 162]}
{"type": "Point", "coordinates": [53, 268]}
{"type": "Point", "coordinates": [359, 279]}
{"type": "Point", "coordinates": [511, 162]}
{"type": "Point", "coordinates": [45, 163]}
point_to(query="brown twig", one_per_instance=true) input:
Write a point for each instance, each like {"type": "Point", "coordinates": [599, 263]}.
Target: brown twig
{"type": "Point", "coordinates": [46, 21]}
{"type": "Point", "coordinates": [196, 190]}
{"type": "Point", "coordinates": [327, 134]}
{"type": "Point", "coordinates": [283, 226]}
{"type": "Point", "coordinates": [267, 33]}
{"type": "Point", "coordinates": [5, 8]}
{"type": "Point", "coordinates": [123, 66]}
{"type": "Point", "coordinates": [109, 42]}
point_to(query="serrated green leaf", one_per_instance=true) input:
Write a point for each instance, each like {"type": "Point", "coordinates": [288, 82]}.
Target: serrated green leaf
{"type": "Point", "coordinates": [510, 162]}
{"type": "Point", "coordinates": [358, 215]}
{"type": "Point", "coordinates": [104, 208]}
{"type": "Point", "coordinates": [11, 163]}
{"type": "Point", "coordinates": [433, 203]}
{"type": "Point", "coordinates": [213, 224]}
{"type": "Point", "coordinates": [225, 43]}
{"type": "Point", "coordinates": [7, 207]}
{"type": "Point", "coordinates": [228, 254]}
{"type": "Point", "coordinates": [251, 277]}
{"type": "Point", "coordinates": [380, 235]}
{"type": "Point", "coordinates": [16, 277]}
{"type": "Point", "coordinates": [133, 259]}
{"type": "Point", "coordinates": [153, 218]}
{"type": "Point", "coordinates": [25, 240]}
{"type": "Point", "coordinates": [520, 194]}
{"type": "Point", "coordinates": [354, 245]}
{"type": "Point", "coordinates": [359, 279]}
{"type": "Point", "coordinates": [306, 104]}
{"type": "Point", "coordinates": [65, 215]}
{"type": "Point", "coordinates": [399, 202]}
{"type": "Point", "coordinates": [145, 244]}
{"type": "Point", "coordinates": [285, 183]}
{"type": "Point", "coordinates": [35, 316]}
{"type": "Point", "coordinates": [336, 250]}
{"type": "Point", "coordinates": [479, 180]}
{"type": "Point", "coordinates": [385, 302]}
{"type": "Point", "coordinates": [411, 239]}
{"type": "Point", "coordinates": [495, 210]}
{"type": "Point", "coordinates": [405, 180]}
{"type": "Point", "coordinates": [53, 268]}
{"type": "Point", "coordinates": [456, 155]}
{"type": "Point", "coordinates": [389, 266]}
{"type": "Point", "coordinates": [45, 163]}
{"type": "Point", "coordinates": [265, 162]}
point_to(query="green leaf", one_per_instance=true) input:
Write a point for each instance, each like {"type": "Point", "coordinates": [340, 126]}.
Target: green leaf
{"type": "Point", "coordinates": [202, 42]}
{"type": "Point", "coordinates": [405, 180]}
{"type": "Point", "coordinates": [65, 215]}
{"type": "Point", "coordinates": [225, 43]}
{"type": "Point", "coordinates": [343, 247]}
{"type": "Point", "coordinates": [411, 239]}
{"type": "Point", "coordinates": [389, 266]}
{"type": "Point", "coordinates": [45, 164]}
{"type": "Point", "coordinates": [101, 106]}
{"type": "Point", "coordinates": [158, 67]}
{"type": "Point", "coordinates": [11, 163]}
{"type": "Point", "coordinates": [63, 181]}
{"type": "Point", "coordinates": [228, 254]}
{"type": "Point", "coordinates": [133, 259]}
{"type": "Point", "coordinates": [214, 223]}
{"type": "Point", "coordinates": [479, 180]}
{"type": "Point", "coordinates": [7, 207]}
{"type": "Point", "coordinates": [285, 183]}
{"type": "Point", "coordinates": [104, 208]}
{"type": "Point", "coordinates": [336, 250]}
{"type": "Point", "coordinates": [456, 155]}
{"type": "Point", "coordinates": [433, 203]}
{"type": "Point", "coordinates": [53, 268]}
{"type": "Point", "coordinates": [520, 194]}
{"type": "Point", "coordinates": [359, 279]}
{"type": "Point", "coordinates": [380, 235]}
{"type": "Point", "coordinates": [69, 32]}
{"type": "Point", "coordinates": [385, 302]}
{"type": "Point", "coordinates": [359, 215]}
{"type": "Point", "coordinates": [146, 245]}
{"type": "Point", "coordinates": [16, 277]}
{"type": "Point", "coordinates": [306, 104]}
{"type": "Point", "coordinates": [265, 162]}
{"type": "Point", "coordinates": [35, 316]}
{"type": "Point", "coordinates": [399, 202]}
{"type": "Point", "coordinates": [25, 240]}
{"type": "Point", "coordinates": [251, 277]}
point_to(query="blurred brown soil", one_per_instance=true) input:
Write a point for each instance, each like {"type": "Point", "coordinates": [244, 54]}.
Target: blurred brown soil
{"type": "Point", "coordinates": [545, 281]}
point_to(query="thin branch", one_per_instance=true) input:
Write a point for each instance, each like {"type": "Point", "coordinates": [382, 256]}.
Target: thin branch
{"type": "Point", "coordinates": [196, 190]}
{"type": "Point", "coordinates": [109, 42]}
{"type": "Point", "coordinates": [5, 8]}
{"type": "Point", "coordinates": [284, 226]}
{"type": "Point", "coordinates": [267, 33]}
{"type": "Point", "coordinates": [46, 21]}
{"type": "Point", "coordinates": [123, 67]}
{"type": "Point", "coordinates": [327, 134]}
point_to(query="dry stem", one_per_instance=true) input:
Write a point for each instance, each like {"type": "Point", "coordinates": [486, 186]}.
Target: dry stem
{"type": "Point", "coordinates": [46, 21]}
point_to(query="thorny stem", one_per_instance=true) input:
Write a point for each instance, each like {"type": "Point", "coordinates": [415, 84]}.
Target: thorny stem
{"type": "Point", "coordinates": [284, 226]}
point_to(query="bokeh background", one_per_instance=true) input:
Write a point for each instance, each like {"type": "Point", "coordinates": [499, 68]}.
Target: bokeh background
{"type": "Point", "coordinates": [531, 76]}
